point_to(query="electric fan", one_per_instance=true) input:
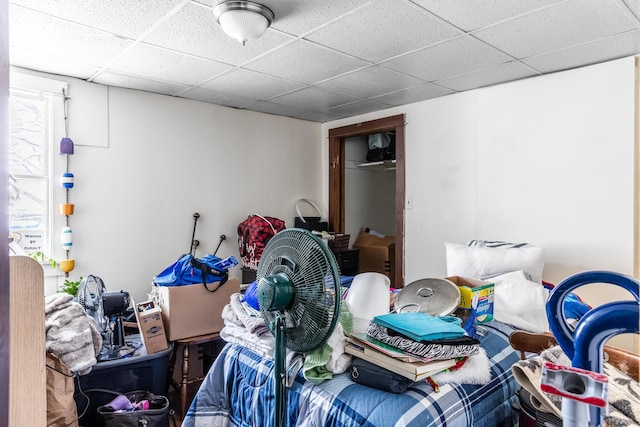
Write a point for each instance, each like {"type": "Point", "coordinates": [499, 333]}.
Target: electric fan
{"type": "Point", "coordinates": [299, 296]}
{"type": "Point", "coordinates": [106, 309]}
{"type": "Point", "coordinates": [90, 292]}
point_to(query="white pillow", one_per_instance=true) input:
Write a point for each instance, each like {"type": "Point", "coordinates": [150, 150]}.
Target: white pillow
{"type": "Point", "coordinates": [520, 302]}
{"type": "Point", "coordinates": [482, 262]}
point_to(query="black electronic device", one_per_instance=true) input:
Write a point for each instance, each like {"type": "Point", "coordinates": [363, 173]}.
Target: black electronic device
{"type": "Point", "coordinates": [115, 306]}
{"type": "Point", "coordinates": [115, 303]}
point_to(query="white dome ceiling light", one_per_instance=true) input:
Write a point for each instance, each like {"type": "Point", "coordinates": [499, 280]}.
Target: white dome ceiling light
{"type": "Point", "coordinates": [243, 20]}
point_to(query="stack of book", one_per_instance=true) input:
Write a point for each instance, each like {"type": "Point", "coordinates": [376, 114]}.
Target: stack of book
{"type": "Point", "coordinates": [393, 359]}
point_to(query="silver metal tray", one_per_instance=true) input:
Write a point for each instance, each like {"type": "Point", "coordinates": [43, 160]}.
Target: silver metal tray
{"type": "Point", "coordinates": [437, 297]}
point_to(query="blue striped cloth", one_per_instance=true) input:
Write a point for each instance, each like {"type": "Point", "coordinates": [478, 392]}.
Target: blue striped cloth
{"type": "Point", "coordinates": [238, 391]}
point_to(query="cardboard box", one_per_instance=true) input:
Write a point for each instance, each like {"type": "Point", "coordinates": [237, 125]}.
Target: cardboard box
{"type": "Point", "coordinates": [476, 294]}
{"type": "Point", "coordinates": [151, 327]}
{"type": "Point", "coordinates": [191, 310]}
{"type": "Point", "coordinates": [377, 254]}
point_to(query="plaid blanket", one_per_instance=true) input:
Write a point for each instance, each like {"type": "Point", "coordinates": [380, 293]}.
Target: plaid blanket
{"type": "Point", "coordinates": [238, 391]}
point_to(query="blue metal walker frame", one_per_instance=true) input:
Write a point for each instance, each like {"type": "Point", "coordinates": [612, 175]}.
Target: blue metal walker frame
{"type": "Point", "coordinates": [584, 344]}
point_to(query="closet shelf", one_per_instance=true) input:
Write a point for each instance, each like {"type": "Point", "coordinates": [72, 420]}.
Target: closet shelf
{"type": "Point", "coordinates": [384, 165]}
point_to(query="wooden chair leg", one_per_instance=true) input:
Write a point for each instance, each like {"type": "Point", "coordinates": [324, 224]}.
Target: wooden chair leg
{"type": "Point", "coordinates": [185, 380]}
{"type": "Point", "coordinates": [172, 363]}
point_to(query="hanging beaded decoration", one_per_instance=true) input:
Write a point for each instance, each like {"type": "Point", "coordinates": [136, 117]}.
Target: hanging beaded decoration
{"type": "Point", "coordinates": [66, 182]}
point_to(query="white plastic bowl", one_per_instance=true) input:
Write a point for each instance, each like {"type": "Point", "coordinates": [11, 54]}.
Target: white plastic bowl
{"type": "Point", "coordinates": [368, 297]}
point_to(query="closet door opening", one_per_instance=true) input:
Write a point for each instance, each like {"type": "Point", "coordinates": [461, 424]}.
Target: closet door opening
{"type": "Point", "coordinates": [347, 146]}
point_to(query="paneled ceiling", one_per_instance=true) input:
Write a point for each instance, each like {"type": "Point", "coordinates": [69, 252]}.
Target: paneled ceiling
{"type": "Point", "coordinates": [320, 60]}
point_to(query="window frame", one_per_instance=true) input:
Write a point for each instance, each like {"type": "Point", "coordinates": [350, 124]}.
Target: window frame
{"type": "Point", "coordinates": [26, 81]}
{"type": "Point", "coordinates": [46, 178]}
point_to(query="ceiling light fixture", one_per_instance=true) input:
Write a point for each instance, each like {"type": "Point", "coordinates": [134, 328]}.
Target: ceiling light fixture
{"type": "Point", "coordinates": [243, 20]}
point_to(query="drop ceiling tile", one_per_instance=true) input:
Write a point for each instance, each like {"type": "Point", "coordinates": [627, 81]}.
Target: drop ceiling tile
{"type": "Point", "coordinates": [359, 107]}
{"type": "Point", "coordinates": [298, 17]}
{"type": "Point", "coordinates": [313, 116]}
{"type": "Point", "coordinates": [220, 98]}
{"type": "Point", "coordinates": [371, 81]}
{"type": "Point", "coordinates": [191, 70]}
{"type": "Point", "coordinates": [487, 77]}
{"type": "Point", "coordinates": [193, 30]}
{"type": "Point", "coordinates": [313, 98]}
{"type": "Point", "coordinates": [415, 94]}
{"type": "Point", "coordinates": [123, 17]}
{"type": "Point", "coordinates": [470, 16]}
{"type": "Point", "coordinates": [589, 53]}
{"type": "Point", "coordinates": [50, 64]}
{"type": "Point", "coordinates": [163, 64]}
{"type": "Point", "coordinates": [140, 83]}
{"type": "Point", "coordinates": [183, 46]}
{"type": "Point", "coordinates": [634, 7]}
{"type": "Point", "coordinates": [451, 58]}
{"type": "Point", "coordinates": [144, 59]}
{"type": "Point", "coordinates": [208, 3]}
{"type": "Point", "coordinates": [383, 30]}
{"type": "Point", "coordinates": [305, 62]}
{"type": "Point", "coordinates": [251, 84]}
{"type": "Point", "coordinates": [283, 110]}
{"type": "Point", "coordinates": [61, 38]}
{"type": "Point", "coordinates": [566, 24]}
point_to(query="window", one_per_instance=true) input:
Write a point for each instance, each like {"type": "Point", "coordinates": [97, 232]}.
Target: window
{"type": "Point", "coordinates": [30, 144]}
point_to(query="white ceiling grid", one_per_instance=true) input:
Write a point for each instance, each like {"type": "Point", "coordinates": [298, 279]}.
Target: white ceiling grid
{"type": "Point", "coordinates": [320, 60]}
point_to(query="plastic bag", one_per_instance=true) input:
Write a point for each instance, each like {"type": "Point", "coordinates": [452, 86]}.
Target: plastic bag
{"type": "Point", "coordinates": [189, 270]}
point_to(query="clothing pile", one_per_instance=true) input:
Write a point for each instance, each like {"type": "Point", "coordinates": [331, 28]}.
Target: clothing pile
{"type": "Point", "coordinates": [71, 334]}
{"type": "Point", "coordinates": [329, 359]}
{"type": "Point", "coordinates": [245, 326]}
{"type": "Point", "coordinates": [429, 337]}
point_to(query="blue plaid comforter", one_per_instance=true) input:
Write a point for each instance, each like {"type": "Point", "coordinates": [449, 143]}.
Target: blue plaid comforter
{"type": "Point", "coordinates": [238, 391]}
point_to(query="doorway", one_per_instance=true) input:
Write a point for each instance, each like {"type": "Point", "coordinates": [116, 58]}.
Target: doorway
{"type": "Point", "coordinates": [337, 178]}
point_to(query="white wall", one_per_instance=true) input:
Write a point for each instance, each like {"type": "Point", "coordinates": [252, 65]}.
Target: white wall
{"type": "Point", "coordinates": [547, 160]}
{"type": "Point", "coordinates": [166, 159]}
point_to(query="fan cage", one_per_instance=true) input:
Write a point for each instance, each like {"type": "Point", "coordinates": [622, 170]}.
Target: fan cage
{"type": "Point", "coordinates": [312, 269]}
{"type": "Point", "coordinates": [90, 293]}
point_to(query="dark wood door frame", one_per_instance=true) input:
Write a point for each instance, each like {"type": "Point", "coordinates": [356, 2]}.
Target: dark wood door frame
{"type": "Point", "coordinates": [337, 138]}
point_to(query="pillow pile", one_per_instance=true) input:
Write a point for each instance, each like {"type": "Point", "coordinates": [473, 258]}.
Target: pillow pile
{"type": "Point", "coordinates": [480, 262]}
{"type": "Point", "coordinates": [520, 302]}
{"type": "Point", "coordinates": [516, 271]}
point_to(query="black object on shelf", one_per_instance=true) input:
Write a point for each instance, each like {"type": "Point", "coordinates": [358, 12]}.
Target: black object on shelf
{"type": "Point", "coordinates": [248, 275]}
{"type": "Point", "coordinates": [348, 261]}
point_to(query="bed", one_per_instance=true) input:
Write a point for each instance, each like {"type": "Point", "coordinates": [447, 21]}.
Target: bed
{"type": "Point", "coordinates": [238, 391]}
